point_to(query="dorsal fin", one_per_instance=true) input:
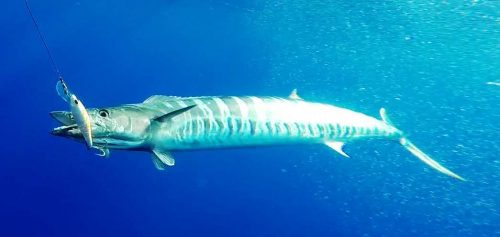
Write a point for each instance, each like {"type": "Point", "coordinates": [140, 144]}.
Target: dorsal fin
{"type": "Point", "coordinates": [294, 96]}
{"type": "Point", "coordinates": [158, 98]}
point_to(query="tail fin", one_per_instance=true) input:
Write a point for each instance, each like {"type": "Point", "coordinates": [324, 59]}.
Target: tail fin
{"type": "Point", "coordinates": [408, 145]}
{"type": "Point", "coordinates": [426, 159]}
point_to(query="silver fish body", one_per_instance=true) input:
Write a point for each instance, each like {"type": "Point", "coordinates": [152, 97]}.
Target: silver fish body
{"type": "Point", "coordinates": [219, 122]}
{"type": "Point", "coordinates": [162, 124]}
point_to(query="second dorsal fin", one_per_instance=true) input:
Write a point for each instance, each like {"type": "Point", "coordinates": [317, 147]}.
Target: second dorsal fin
{"type": "Point", "coordinates": [385, 118]}
{"type": "Point", "coordinates": [294, 96]}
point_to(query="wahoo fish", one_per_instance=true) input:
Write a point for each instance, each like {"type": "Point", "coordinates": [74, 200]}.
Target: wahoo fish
{"type": "Point", "coordinates": [164, 124]}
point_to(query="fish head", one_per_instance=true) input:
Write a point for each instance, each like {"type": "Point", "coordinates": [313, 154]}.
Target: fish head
{"type": "Point", "coordinates": [123, 127]}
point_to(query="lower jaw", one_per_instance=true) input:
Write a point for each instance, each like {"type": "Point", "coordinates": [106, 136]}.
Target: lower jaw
{"type": "Point", "coordinates": [123, 145]}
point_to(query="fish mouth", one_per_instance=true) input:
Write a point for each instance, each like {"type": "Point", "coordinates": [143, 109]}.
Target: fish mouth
{"type": "Point", "coordinates": [67, 131]}
{"type": "Point", "coordinates": [68, 127]}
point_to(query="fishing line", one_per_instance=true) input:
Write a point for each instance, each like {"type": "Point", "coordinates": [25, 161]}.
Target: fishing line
{"type": "Point", "coordinates": [52, 61]}
{"type": "Point", "coordinates": [78, 111]}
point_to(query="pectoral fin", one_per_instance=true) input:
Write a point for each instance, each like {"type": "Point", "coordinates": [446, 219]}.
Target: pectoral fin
{"type": "Point", "coordinates": [162, 159]}
{"type": "Point", "coordinates": [337, 146]}
{"type": "Point", "coordinates": [172, 114]}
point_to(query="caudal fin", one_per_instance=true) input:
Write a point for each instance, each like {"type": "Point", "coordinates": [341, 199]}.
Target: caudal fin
{"type": "Point", "coordinates": [426, 159]}
{"type": "Point", "coordinates": [419, 153]}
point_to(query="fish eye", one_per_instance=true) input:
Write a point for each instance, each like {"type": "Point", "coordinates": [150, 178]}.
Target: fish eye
{"type": "Point", "coordinates": [103, 113]}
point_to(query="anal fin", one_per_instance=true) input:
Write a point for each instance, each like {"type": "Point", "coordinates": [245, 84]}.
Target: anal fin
{"type": "Point", "coordinates": [337, 146]}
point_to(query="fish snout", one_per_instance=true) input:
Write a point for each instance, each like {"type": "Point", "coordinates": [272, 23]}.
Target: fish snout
{"type": "Point", "coordinates": [68, 127]}
{"type": "Point", "coordinates": [63, 117]}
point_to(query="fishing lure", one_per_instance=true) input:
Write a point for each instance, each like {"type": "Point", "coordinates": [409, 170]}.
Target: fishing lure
{"type": "Point", "coordinates": [78, 111]}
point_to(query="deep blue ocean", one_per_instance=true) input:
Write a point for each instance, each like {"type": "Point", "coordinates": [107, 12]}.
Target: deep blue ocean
{"type": "Point", "coordinates": [426, 62]}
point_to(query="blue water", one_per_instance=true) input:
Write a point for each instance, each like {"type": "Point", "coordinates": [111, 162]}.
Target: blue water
{"type": "Point", "coordinates": [426, 62]}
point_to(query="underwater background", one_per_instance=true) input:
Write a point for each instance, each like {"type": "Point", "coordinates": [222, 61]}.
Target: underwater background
{"type": "Point", "coordinates": [426, 62]}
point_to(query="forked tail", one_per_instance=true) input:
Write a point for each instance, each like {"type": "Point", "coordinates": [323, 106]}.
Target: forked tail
{"type": "Point", "coordinates": [419, 153]}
